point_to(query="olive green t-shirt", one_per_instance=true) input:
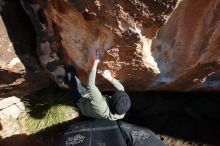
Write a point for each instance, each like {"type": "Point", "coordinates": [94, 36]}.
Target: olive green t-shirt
{"type": "Point", "coordinates": [94, 104]}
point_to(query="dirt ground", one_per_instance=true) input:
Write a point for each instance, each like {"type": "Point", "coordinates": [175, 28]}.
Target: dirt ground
{"type": "Point", "coordinates": [179, 119]}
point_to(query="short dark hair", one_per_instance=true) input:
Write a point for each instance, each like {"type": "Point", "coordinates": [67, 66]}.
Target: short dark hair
{"type": "Point", "coordinates": [120, 102]}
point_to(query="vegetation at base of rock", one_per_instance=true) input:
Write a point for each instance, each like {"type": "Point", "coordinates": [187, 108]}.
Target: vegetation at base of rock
{"type": "Point", "coordinates": [47, 108]}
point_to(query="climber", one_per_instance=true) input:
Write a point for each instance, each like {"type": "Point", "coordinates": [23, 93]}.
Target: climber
{"type": "Point", "coordinates": [91, 102]}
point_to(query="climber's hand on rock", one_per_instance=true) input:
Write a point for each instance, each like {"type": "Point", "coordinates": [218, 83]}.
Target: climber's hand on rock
{"type": "Point", "coordinates": [97, 56]}
{"type": "Point", "coordinates": [107, 75]}
{"type": "Point", "coordinates": [96, 59]}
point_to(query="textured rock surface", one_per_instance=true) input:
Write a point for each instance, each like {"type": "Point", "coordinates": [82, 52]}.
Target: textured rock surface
{"type": "Point", "coordinates": [179, 57]}
{"type": "Point", "coordinates": [20, 73]}
{"type": "Point", "coordinates": [186, 48]}
{"type": "Point", "coordinates": [10, 109]}
{"type": "Point", "coordinates": [121, 31]}
{"type": "Point", "coordinates": [10, 126]}
{"type": "Point", "coordinates": [181, 54]}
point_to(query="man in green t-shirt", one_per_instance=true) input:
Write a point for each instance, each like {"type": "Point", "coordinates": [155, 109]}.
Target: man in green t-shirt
{"type": "Point", "coordinates": [92, 103]}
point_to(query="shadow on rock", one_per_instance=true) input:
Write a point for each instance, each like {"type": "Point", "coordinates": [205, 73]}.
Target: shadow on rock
{"type": "Point", "coordinates": [7, 77]}
{"type": "Point", "coordinates": [24, 73]}
{"type": "Point", "coordinates": [21, 33]}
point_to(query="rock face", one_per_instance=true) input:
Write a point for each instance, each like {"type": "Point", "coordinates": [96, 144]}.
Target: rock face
{"type": "Point", "coordinates": [122, 32]}
{"type": "Point", "coordinates": [186, 48]}
{"type": "Point", "coordinates": [10, 109]}
{"type": "Point", "coordinates": [162, 45]}
{"type": "Point", "coordinates": [20, 72]}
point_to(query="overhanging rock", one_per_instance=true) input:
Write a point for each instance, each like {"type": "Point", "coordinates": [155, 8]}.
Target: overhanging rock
{"type": "Point", "coordinates": [159, 45]}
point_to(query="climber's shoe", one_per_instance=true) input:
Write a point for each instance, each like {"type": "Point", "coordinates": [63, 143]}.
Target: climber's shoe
{"type": "Point", "coordinates": [61, 82]}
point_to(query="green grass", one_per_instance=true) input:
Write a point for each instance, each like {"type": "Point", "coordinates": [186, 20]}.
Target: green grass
{"type": "Point", "coordinates": [47, 108]}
